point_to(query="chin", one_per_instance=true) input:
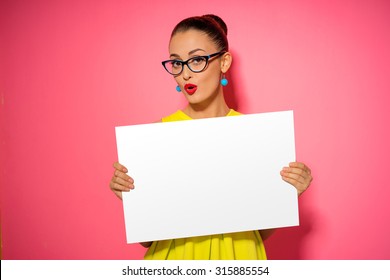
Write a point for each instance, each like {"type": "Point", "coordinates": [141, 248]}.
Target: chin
{"type": "Point", "coordinates": [193, 99]}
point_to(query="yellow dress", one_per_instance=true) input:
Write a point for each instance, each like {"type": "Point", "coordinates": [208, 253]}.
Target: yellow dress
{"type": "Point", "coordinates": [229, 246]}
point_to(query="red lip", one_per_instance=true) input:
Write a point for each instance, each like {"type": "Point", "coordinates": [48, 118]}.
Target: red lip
{"type": "Point", "coordinates": [190, 88]}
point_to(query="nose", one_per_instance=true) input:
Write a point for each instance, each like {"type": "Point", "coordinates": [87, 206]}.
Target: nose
{"type": "Point", "coordinates": [187, 73]}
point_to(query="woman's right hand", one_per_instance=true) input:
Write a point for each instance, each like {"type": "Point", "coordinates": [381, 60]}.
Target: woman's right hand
{"type": "Point", "coordinates": [121, 182]}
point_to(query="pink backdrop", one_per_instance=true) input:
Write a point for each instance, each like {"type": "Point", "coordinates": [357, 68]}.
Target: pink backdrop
{"type": "Point", "coordinates": [73, 70]}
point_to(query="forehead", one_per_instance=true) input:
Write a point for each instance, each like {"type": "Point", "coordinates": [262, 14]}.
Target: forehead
{"type": "Point", "coordinates": [184, 42]}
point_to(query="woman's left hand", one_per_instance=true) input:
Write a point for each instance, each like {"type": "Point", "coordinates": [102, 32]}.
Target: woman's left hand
{"type": "Point", "coordinates": [298, 175]}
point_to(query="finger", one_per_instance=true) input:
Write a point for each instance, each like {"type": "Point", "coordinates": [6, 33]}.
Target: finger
{"type": "Point", "coordinates": [125, 183]}
{"type": "Point", "coordinates": [297, 181]}
{"type": "Point", "coordinates": [300, 184]}
{"type": "Point", "coordinates": [300, 169]}
{"type": "Point", "coordinates": [299, 175]}
{"type": "Point", "coordinates": [300, 165]}
{"type": "Point", "coordinates": [297, 171]}
{"type": "Point", "coordinates": [119, 187]}
{"type": "Point", "coordinates": [120, 167]}
{"type": "Point", "coordinates": [298, 178]}
{"type": "Point", "coordinates": [123, 176]}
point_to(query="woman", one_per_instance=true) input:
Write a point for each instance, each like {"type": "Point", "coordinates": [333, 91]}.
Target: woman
{"type": "Point", "coordinates": [199, 58]}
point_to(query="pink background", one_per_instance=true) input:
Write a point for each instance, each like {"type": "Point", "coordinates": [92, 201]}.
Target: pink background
{"type": "Point", "coordinates": [73, 70]}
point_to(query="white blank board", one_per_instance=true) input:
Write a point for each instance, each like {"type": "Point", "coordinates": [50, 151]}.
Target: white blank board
{"type": "Point", "coordinates": [208, 176]}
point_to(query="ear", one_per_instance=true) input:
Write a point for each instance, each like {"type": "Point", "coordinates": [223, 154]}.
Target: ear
{"type": "Point", "coordinates": [226, 62]}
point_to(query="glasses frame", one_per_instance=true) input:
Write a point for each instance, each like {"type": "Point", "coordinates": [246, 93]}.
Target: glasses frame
{"type": "Point", "coordinates": [207, 57]}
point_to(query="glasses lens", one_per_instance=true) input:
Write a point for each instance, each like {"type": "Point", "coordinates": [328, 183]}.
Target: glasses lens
{"type": "Point", "coordinates": [197, 64]}
{"type": "Point", "coordinates": [173, 66]}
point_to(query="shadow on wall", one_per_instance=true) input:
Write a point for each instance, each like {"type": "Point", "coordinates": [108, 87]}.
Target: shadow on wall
{"type": "Point", "coordinates": [230, 91]}
{"type": "Point", "coordinates": [289, 243]}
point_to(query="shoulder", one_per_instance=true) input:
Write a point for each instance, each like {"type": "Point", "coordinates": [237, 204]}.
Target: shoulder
{"type": "Point", "coordinates": [179, 115]}
{"type": "Point", "coordinates": [233, 112]}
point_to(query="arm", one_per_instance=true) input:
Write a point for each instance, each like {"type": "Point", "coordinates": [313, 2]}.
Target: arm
{"type": "Point", "coordinates": [265, 233]}
{"type": "Point", "coordinates": [146, 244]}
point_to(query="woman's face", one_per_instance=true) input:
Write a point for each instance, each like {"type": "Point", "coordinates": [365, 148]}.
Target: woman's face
{"type": "Point", "coordinates": [196, 87]}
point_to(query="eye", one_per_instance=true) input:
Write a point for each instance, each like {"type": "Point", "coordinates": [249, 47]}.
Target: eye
{"type": "Point", "coordinates": [176, 63]}
{"type": "Point", "coordinates": [197, 60]}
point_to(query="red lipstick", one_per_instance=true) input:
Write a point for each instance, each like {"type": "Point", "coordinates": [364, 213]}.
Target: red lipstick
{"type": "Point", "coordinates": [190, 88]}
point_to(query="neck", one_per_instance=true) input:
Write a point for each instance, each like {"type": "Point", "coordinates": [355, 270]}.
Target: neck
{"type": "Point", "coordinates": [208, 109]}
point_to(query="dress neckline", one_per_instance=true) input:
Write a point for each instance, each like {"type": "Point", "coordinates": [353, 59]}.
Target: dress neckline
{"type": "Point", "coordinates": [185, 116]}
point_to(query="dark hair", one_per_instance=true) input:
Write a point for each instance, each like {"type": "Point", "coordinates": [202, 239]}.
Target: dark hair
{"type": "Point", "coordinates": [211, 25]}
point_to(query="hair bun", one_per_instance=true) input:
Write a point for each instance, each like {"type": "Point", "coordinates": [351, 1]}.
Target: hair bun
{"type": "Point", "coordinates": [219, 21]}
{"type": "Point", "coordinates": [212, 25]}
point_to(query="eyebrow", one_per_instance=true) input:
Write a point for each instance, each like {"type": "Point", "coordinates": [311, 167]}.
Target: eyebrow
{"type": "Point", "coordinates": [190, 53]}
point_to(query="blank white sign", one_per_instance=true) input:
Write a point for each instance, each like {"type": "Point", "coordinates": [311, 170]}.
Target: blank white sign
{"type": "Point", "coordinates": [208, 176]}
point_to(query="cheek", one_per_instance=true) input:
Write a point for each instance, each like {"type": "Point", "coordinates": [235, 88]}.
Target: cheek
{"type": "Point", "coordinates": [177, 80]}
{"type": "Point", "coordinates": [211, 81]}
{"type": "Point", "coordinates": [213, 76]}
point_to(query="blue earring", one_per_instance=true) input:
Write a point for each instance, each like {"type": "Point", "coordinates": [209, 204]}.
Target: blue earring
{"type": "Point", "coordinates": [178, 89]}
{"type": "Point", "coordinates": [224, 82]}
